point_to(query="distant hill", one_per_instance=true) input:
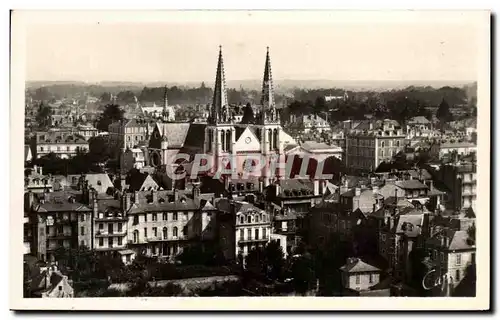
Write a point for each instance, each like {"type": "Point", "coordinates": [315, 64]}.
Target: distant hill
{"type": "Point", "coordinates": [280, 85]}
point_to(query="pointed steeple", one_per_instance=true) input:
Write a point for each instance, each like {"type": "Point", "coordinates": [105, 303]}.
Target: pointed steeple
{"type": "Point", "coordinates": [220, 105]}
{"type": "Point", "coordinates": [268, 113]}
{"type": "Point", "coordinates": [165, 105]}
{"type": "Point", "coordinates": [267, 99]}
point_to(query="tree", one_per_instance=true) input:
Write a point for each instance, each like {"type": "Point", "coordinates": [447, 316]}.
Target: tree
{"type": "Point", "coordinates": [443, 113]}
{"type": "Point", "coordinates": [99, 150]}
{"type": "Point", "coordinates": [320, 104]}
{"type": "Point", "coordinates": [248, 116]}
{"type": "Point", "coordinates": [267, 261]}
{"type": "Point", "coordinates": [112, 113]}
{"type": "Point", "coordinates": [303, 274]}
{"type": "Point", "coordinates": [43, 115]}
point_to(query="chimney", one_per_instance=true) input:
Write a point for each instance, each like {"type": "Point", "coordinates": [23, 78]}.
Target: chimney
{"type": "Point", "coordinates": [154, 196]}
{"type": "Point", "coordinates": [196, 190]}
{"type": "Point", "coordinates": [277, 188]}
{"type": "Point", "coordinates": [31, 199]}
{"type": "Point", "coordinates": [41, 170]}
{"type": "Point", "coordinates": [136, 197]}
{"type": "Point", "coordinates": [176, 195]}
{"type": "Point", "coordinates": [35, 168]}
{"type": "Point", "coordinates": [357, 191]}
{"type": "Point", "coordinates": [261, 186]}
{"type": "Point", "coordinates": [316, 187]}
{"type": "Point", "coordinates": [126, 201]}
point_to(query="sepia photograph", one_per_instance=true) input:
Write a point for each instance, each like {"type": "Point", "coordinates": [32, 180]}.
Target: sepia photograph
{"type": "Point", "coordinates": [182, 160]}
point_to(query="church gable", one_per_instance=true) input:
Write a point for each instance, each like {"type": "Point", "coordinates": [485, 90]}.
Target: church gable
{"type": "Point", "coordinates": [247, 141]}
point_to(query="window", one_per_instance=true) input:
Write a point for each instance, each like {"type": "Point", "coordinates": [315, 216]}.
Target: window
{"type": "Point", "coordinates": [442, 256]}
{"type": "Point", "coordinates": [242, 234]}
{"type": "Point", "coordinates": [110, 242]}
{"type": "Point", "coordinates": [256, 234]}
{"type": "Point", "coordinates": [58, 148]}
{"type": "Point", "coordinates": [184, 231]}
{"type": "Point", "coordinates": [101, 226]}
{"type": "Point", "coordinates": [41, 149]}
{"type": "Point", "coordinates": [185, 216]}
{"type": "Point", "coordinates": [110, 228]}
{"type": "Point", "coordinates": [82, 218]}
{"type": "Point", "coordinates": [249, 233]}
{"type": "Point", "coordinates": [145, 232]}
{"type": "Point", "coordinates": [457, 275]}
{"type": "Point", "coordinates": [174, 216]}
{"type": "Point", "coordinates": [82, 243]}
{"type": "Point", "coordinates": [459, 259]}
{"type": "Point", "coordinates": [249, 219]}
{"type": "Point", "coordinates": [136, 220]}
{"type": "Point", "coordinates": [242, 219]}
{"type": "Point", "coordinates": [155, 232]}
{"type": "Point", "coordinates": [256, 218]}
{"type": "Point", "coordinates": [136, 236]}
{"type": "Point", "coordinates": [382, 145]}
{"type": "Point", "coordinates": [370, 278]}
{"type": "Point", "coordinates": [67, 148]}
{"type": "Point", "coordinates": [165, 233]}
{"type": "Point", "coordinates": [264, 236]}
{"type": "Point", "coordinates": [145, 217]}
{"type": "Point", "coordinates": [264, 218]}
{"type": "Point", "coordinates": [155, 217]}
{"type": "Point", "coordinates": [120, 241]}
{"type": "Point", "coordinates": [82, 231]}
{"type": "Point", "coordinates": [120, 226]}
{"type": "Point", "coordinates": [165, 217]}
{"type": "Point", "coordinates": [101, 242]}
{"type": "Point", "coordinates": [175, 232]}
{"type": "Point", "coordinates": [357, 279]}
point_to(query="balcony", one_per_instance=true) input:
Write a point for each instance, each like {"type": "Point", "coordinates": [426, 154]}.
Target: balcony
{"type": "Point", "coordinates": [169, 239]}
{"type": "Point", "coordinates": [253, 240]}
{"type": "Point", "coordinates": [103, 234]}
{"type": "Point", "coordinates": [113, 248]}
{"type": "Point", "coordinates": [111, 219]}
{"type": "Point", "coordinates": [59, 235]}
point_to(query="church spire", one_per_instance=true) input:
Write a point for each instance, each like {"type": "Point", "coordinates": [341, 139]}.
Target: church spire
{"type": "Point", "coordinates": [165, 106]}
{"type": "Point", "coordinates": [220, 105]}
{"type": "Point", "coordinates": [267, 99]}
{"type": "Point", "coordinates": [268, 112]}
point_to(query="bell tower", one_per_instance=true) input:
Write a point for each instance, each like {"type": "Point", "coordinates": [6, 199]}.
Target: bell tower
{"type": "Point", "coordinates": [220, 131]}
{"type": "Point", "coordinates": [269, 120]}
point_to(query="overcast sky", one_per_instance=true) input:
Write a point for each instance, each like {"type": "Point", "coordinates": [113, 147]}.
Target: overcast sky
{"type": "Point", "coordinates": [184, 50]}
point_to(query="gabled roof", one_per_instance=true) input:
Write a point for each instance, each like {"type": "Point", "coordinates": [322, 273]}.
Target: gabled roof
{"type": "Point", "coordinates": [419, 120]}
{"type": "Point", "coordinates": [312, 146]}
{"type": "Point", "coordinates": [99, 181]}
{"type": "Point", "coordinates": [410, 224]}
{"type": "Point", "coordinates": [358, 265]}
{"type": "Point", "coordinates": [411, 184]}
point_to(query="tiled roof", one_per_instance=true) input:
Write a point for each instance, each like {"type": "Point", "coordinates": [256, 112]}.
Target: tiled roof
{"type": "Point", "coordinates": [416, 174]}
{"type": "Point", "coordinates": [313, 145]}
{"type": "Point", "coordinates": [411, 184]}
{"type": "Point", "coordinates": [410, 224]}
{"type": "Point", "coordinates": [99, 181]}
{"type": "Point", "coordinates": [176, 133]}
{"type": "Point", "coordinates": [449, 145]}
{"type": "Point", "coordinates": [164, 202]}
{"type": "Point", "coordinates": [459, 241]}
{"type": "Point", "coordinates": [419, 120]}
{"type": "Point", "coordinates": [358, 265]}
